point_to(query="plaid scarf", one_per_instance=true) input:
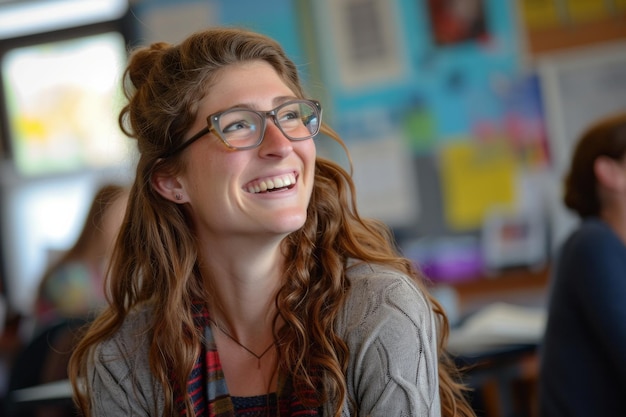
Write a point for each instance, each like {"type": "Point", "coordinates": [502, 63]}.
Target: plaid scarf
{"type": "Point", "coordinates": [207, 387]}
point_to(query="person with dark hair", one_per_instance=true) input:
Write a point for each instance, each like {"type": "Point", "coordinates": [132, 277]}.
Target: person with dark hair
{"type": "Point", "coordinates": [244, 281]}
{"type": "Point", "coordinates": [583, 354]}
{"type": "Point", "coordinates": [72, 287]}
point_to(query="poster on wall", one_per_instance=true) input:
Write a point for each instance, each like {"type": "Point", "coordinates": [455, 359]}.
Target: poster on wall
{"type": "Point", "coordinates": [362, 42]}
{"type": "Point", "coordinates": [456, 21]}
{"type": "Point", "coordinates": [386, 181]}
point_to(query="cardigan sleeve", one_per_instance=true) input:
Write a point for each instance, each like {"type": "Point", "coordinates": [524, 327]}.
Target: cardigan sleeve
{"type": "Point", "coordinates": [120, 380]}
{"type": "Point", "coordinates": [390, 329]}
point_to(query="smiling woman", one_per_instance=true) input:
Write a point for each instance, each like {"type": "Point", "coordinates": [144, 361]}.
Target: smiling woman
{"type": "Point", "coordinates": [244, 281]}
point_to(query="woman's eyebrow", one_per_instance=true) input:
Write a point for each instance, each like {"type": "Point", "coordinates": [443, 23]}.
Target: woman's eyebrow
{"type": "Point", "coordinates": [279, 100]}
{"type": "Point", "coordinates": [276, 101]}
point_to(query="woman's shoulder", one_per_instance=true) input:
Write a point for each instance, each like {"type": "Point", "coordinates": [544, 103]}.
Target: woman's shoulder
{"type": "Point", "coordinates": [593, 226]}
{"type": "Point", "coordinates": [120, 374]}
{"type": "Point", "coordinates": [592, 252]}
{"type": "Point", "coordinates": [381, 292]}
{"type": "Point", "coordinates": [593, 235]}
{"type": "Point", "coordinates": [365, 276]}
{"type": "Point", "coordinates": [131, 337]}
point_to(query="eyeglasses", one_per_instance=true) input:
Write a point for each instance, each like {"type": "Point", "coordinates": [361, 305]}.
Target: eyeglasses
{"type": "Point", "coordinates": [242, 129]}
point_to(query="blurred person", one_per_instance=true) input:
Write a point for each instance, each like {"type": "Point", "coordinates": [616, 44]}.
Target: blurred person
{"type": "Point", "coordinates": [73, 286]}
{"type": "Point", "coordinates": [583, 355]}
{"type": "Point", "coordinates": [244, 282]}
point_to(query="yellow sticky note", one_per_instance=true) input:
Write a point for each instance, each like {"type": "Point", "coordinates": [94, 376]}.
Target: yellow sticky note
{"type": "Point", "coordinates": [475, 178]}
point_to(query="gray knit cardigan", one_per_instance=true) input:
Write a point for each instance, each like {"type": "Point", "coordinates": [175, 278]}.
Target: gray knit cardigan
{"type": "Point", "coordinates": [386, 322]}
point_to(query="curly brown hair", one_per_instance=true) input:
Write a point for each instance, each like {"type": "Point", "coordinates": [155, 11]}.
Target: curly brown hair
{"type": "Point", "coordinates": [164, 83]}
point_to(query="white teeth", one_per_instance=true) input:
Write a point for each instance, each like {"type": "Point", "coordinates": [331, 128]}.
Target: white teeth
{"type": "Point", "coordinates": [272, 183]}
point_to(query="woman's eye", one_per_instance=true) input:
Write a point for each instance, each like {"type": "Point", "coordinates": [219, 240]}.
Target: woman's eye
{"type": "Point", "coordinates": [291, 115]}
{"type": "Point", "coordinates": [242, 124]}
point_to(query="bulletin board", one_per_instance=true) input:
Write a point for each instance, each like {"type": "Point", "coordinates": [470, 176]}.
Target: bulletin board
{"type": "Point", "coordinates": [415, 74]}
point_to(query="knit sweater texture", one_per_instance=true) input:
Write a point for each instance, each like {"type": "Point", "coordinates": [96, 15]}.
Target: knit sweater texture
{"type": "Point", "coordinates": [387, 323]}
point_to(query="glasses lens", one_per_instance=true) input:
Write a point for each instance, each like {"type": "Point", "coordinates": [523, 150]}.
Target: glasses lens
{"type": "Point", "coordinates": [298, 119]}
{"type": "Point", "coordinates": [244, 129]}
{"type": "Point", "coordinates": [241, 128]}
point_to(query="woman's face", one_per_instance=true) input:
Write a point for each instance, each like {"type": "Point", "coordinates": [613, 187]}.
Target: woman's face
{"type": "Point", "coordinates": [218, 183]}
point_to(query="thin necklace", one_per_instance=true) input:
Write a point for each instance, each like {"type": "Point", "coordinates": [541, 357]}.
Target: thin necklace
{"type": "Point", "coordinates": [227, 334]}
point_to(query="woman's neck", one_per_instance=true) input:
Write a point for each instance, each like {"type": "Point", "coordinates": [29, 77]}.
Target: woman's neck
{"type": "Point", "coordinates": [243, 291]}
{"type": "Point", "coordinates": [242, 308]}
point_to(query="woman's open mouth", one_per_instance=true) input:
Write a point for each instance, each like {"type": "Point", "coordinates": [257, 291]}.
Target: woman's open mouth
{"type": "Point", "coordinates": [272, 184]}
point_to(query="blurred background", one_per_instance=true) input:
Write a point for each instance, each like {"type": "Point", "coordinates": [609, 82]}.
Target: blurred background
{"type": "Point", "coordinates": [460, 116]}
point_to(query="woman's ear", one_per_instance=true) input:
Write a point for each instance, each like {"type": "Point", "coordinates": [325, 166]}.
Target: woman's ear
{"type": "Point", "coordinates": [169, 187]}
{"type": "Point", "coordinates": [610, 173]}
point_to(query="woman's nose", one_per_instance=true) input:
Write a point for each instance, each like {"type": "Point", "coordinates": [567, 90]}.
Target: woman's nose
{"type": "Point", "coordinates": [275, 143]}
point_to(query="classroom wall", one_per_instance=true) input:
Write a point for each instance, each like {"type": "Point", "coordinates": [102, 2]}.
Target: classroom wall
{"type": "Point", "coordinates": [396, 94]}
{"type": "Point", "coordinates": [453, 133]}
{"type": "Point", "coordinates": [458, 128]}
